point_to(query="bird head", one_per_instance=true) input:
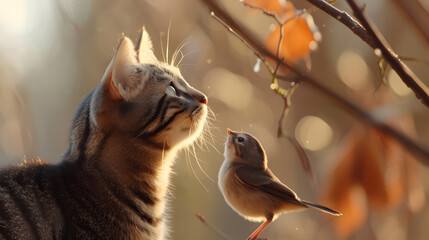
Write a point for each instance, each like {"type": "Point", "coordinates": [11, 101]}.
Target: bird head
{"type": "Point", "coordinates": [244, 148]}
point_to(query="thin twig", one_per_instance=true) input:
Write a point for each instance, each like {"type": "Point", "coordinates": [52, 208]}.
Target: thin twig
{"type": "Point", "coordinates": [289, 78]}
{"type": "Point", "coordinates": [264, 11]}
{"type": "Point", "coordinates": [286, 95]}
{"type": "Point", "coordinates": [258, 55]}
{"type": "Point", "coordinates": [345, 19]}
{"type": "Point", "coordinates": [409, 144]}
{"type": "Point", "coordinates": [279, 45]}
{"type": "Point", "coordinates": [213, 228]}
{"type": "Point", "coordinates": [305, 161]}
{"type": "Point", "coordinates": [408, 77]}
{"type": "Point", "coordinates": [367, 32]}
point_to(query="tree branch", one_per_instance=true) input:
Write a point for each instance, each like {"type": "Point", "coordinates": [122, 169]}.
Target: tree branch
{"type": "Point", "coordinates": [407, 76]}
{"type": "Point", "coordinates": [368, 33]}
{"type": "Point", "coordinates": [345, 19]}
{"type": "Point", "coordinates": [409, 144]}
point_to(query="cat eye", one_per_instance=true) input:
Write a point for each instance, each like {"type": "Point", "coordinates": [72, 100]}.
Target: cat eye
{"type": "Point", "coordinates": [171, 91]}
{"type": "Point", "coordinates": [240, 139]}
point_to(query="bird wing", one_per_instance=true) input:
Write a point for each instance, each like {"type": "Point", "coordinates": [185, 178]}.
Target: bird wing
{"type": "Point", "coordinates": [266, 181]}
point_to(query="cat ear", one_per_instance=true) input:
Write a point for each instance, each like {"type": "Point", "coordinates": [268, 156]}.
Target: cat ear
{"type": "Point", "coordinates": [144, 49]}
{"type": "Point", "coordinates": [120, 78]}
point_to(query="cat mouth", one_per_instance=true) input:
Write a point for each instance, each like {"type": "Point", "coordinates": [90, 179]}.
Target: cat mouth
{"type": "Point", "coordinates": [197, 118]}
{"type": "Point", "coordinates": [196, 114]}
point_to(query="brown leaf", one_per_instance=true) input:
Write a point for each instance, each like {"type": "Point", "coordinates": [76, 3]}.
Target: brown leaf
{"type": "Point", "coordinates": [342, 191]}
{"type": "Point", "coordinates": [379, 167]}
{"type": "Point", "coordinates": [296, 39]}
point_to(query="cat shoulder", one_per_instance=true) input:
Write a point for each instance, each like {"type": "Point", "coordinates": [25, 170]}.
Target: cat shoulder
{"type": "Point", "coordinates": [32, 162]}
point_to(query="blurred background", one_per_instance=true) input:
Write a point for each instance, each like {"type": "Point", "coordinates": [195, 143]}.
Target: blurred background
{"type": "Point", "coordinates": [53, 52]}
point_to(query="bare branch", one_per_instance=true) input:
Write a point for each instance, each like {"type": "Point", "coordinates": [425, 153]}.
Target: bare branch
{"type": "Point", "coordinates": [286, 94]}
{"type": "Point", "coordinates": [345, 19]}
{"type": "Point", "coordinates": [265, 11]}
{"type": "Point", "coordinates": [257, 54]}
{"type": "Point", "coordinates": [304, 160]}
{"type": "Point", "coordinates": [407, 76]}
{"type": "Point", "coordinates": [281, 132]}
{"type": "Point", "coordinates": [367, 32]}
{"type": "Point", "coordinates": [409, 144]}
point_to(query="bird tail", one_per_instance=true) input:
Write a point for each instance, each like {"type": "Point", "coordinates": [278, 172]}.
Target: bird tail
{"type": "Point", "coordinates": [321, 208]}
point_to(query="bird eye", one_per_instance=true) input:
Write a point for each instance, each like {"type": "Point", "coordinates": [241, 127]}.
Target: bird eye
{"type": "Point", "coordinates": [171, 91]}
{"type": "Point", "coordinates": [240, 139]}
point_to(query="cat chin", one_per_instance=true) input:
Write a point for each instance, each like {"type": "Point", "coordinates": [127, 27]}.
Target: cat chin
{"type": "Point", "coordinates": [185, 136]}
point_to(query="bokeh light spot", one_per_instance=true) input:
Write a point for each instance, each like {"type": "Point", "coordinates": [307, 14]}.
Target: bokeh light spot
{"type": "Point", "coordinates": [313, 133]}
{"type": "Point", "coordinates": [233, 90]}
{"type": "Point", "coordinates": [353, 70]}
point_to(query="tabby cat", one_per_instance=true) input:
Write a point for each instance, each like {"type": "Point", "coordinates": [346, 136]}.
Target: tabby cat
{"type": "Point", "coordinates": [112, 181]}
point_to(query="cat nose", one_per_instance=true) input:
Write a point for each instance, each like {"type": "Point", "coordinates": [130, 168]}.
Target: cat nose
{"type": "Point", "coordinates": [198, 96]}
{"type": "Point", "coordinates": [201, 98]}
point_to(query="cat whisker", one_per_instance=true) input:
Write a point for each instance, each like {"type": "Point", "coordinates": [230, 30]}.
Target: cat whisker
{"type": "Point", "coordinates": [162, 46]}
{"type": "Point", "coordinates": [211, 112]}
{"type": "Point", "coordinates": [186, 54]}
{"type": "Point", "coordinates": [199, 165]}
{"type": "Point", "coordinates": [192, 151]}
{"type": "Point", "coordinates": [211, 116]}
{"type": "Point", "coordinates": [168, 40]}
{"type": "Point", "coordinates": [182, 56]}
{"type": "Point", "coordinates": [202, 143]}
{"type": "Point", "coordinates": [209, 125]}
{"type": "Point", "coordinates": [178, 49]}
{"type": "Point", "coordinates": [203, 138]}
{"type": "Point", "coordinates": [188, 158]}
{"type": "Point", "coordinates": [141, 154]}
{"type": "Point", "coordinates": [188, 65]}
{"type": "Point", "coordinates": [195, 174]}
{"type": "Point", "coordinates": [140, 134]}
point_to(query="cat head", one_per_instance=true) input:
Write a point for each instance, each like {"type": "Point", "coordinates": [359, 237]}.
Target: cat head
{"type": "Point", "coordinates": [142, 99]}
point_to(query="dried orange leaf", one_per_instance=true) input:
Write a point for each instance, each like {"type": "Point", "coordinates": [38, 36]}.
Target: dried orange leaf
{"type": "Point", "coordinates": [295, 43]}
{"type": "Point", "coordinates": [269, 5]}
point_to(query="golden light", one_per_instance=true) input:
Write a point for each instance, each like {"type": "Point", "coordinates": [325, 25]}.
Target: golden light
{"type": "Point", "coordinates": [353, 70]}
{"type": "Point", "coordinates": [313, 133]}
{"type": "Point", "coordinates": [233, 90]}
{"type": "Point", "coordinates": [397, 85]}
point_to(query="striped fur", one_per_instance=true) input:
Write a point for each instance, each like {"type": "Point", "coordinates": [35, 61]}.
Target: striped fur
{"type": "Point", "coordinates": [113, 180]}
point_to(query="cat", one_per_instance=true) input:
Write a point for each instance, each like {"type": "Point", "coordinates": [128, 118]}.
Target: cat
{"type": "Point", "coordinates": [112, 181]}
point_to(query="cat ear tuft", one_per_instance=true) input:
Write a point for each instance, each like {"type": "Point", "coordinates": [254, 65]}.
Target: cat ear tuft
{"type": "Point", "coordinates": [144, 48]}
{"type": "Point", "coordinates": [120, 78]}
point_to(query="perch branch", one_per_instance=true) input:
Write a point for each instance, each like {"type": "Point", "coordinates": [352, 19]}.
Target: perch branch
{"type": "Point", "coordinates": [247, 36]}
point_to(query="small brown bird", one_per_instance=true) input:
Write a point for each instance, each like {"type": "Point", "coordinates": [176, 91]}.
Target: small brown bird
{"type": "Point", "coordinates": [250, 187]}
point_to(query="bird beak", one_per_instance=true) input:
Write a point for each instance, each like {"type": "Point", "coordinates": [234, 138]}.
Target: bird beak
{"type": "Point", "coordinates": [229, 131]}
